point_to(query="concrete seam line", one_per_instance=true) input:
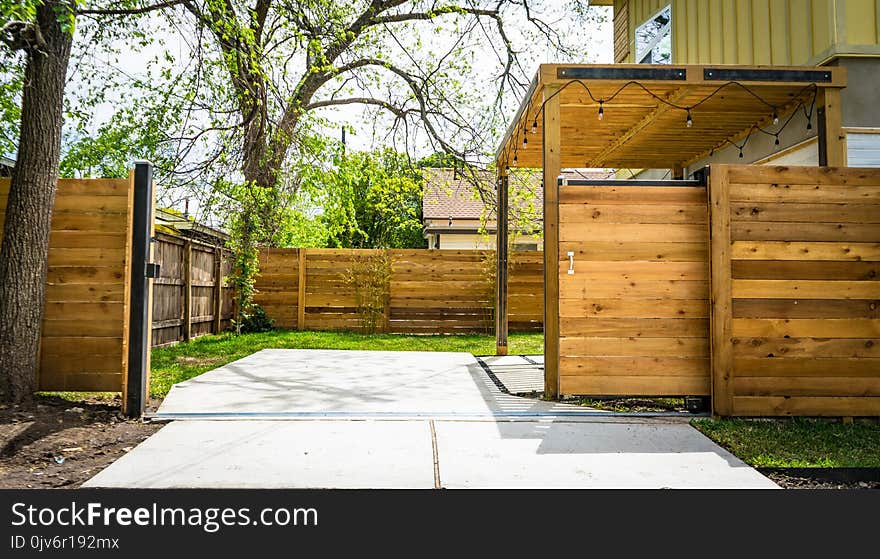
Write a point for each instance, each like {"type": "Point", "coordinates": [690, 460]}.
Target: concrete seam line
{"type": "Point", "coordinates": [436, 455]}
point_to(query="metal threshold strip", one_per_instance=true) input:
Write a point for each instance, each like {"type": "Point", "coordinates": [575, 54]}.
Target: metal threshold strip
{"type": "Point", "coordinates": [410, 415]}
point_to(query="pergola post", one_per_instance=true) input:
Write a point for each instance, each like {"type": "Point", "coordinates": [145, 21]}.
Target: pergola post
{"type": "Point", "coordinates": [552, 164]}
{"type": "Point", "coordinates": [832, 149]}
{"type": "Point", "coordinates": [501, 256]}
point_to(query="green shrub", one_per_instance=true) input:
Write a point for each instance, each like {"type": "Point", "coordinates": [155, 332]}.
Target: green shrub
{"type": "Point", "coordinates": [256, 320]}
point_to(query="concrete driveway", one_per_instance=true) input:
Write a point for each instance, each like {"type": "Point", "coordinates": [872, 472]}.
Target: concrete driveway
{"type": "Point", "coordinates": [362, 419]}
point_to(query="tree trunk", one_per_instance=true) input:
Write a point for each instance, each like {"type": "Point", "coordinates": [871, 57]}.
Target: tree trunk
{"type": "Point", "coordinates": [25, 246]}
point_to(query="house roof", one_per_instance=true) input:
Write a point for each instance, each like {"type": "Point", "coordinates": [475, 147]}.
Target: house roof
{"type": "Point", "coordinates": [453, 194]}
{"type": "Point", "coordinates": [449, 193]}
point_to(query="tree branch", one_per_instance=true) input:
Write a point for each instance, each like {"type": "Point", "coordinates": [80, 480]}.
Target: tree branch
{"type": "Point", "coordinates": [130, 11]}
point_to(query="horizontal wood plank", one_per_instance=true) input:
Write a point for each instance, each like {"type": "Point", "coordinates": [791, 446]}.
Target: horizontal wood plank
{"type": "Point", "coordinates": [781, 250]}
{"type": "Point", "coordinates": [806, 347]}
{"type": "Point", "coordinates": [805, 289]}
{"type": "Point", "coordinates": [634, 347]}
{"type": "Point", "coordinates": [634, 308]}
{"type": "Point", "coordinates": [806, 328]}
{"type": "Point", "coordinates": [806, 308]}
{"type": "Point", "coordinates": [633, 386]}
{"type": "Point", "coordinates": [805, 405]}
{"type": "Point", "coordinates": [634, 327]}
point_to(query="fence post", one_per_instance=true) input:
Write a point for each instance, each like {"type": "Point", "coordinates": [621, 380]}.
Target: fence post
{"type": "Point", "coordinates": [301, 290]}
{"type": "Point", "coordinates": [386, 317]}
{"type": "Point", "coordinates": [720, 321]}
{"type": "Point", "coordinates": [187, 290]}
{"type": "Point", "coordinates": [218, 289]}
{"type": "Point", "coordinates": [139, 304]}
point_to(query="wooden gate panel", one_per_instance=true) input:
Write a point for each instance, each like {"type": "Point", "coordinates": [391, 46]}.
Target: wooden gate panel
{"type": "Point", "coordinates": [634, 315]}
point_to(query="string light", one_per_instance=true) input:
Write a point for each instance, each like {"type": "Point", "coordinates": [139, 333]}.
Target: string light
{"type": "Point", "coordinates": [689, 116]}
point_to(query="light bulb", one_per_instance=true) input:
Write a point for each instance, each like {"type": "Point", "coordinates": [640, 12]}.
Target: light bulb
{"type": "Point", "coordinates": [777, 140]}
{"type": "Point", "coordinates": [775, 117]}
{"type": "Point", "coordinates": [690, 120]}
{"type": "Point", "coordinates": [601, 111]}
{"type": "Point", "coordinates": [525, 142]}
{"type": "Point", "coordinates": [535, 127]}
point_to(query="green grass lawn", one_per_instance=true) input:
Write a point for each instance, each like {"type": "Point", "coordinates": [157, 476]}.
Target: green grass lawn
{"type": "Point", "coordinates": [798, 442]}
{"type": "Point", "coordinates": [183, 361]}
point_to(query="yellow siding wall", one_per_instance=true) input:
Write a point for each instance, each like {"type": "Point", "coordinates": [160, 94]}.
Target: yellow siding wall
{"type": "Point", "coordinates": [779, 32]}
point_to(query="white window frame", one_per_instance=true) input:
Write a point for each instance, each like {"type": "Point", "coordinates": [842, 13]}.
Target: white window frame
{"type": "Point", "coordinates": [664, 31]}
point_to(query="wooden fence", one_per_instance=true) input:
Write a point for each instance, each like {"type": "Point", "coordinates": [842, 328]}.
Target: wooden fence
{"type": "Point", "coordinates": [796, 314]}
{"type": "Point", "coordinates": [426, 291]}
{"type": "Point", "coordinates": [634, 314]}
{"type": "Point", "coordinates": [189, 296]}
{"type": "Point", "coordinates": [84, 343]}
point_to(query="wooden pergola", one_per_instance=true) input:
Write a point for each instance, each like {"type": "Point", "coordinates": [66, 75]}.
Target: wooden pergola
{"type": "Point", "coordinates": [644, 117]}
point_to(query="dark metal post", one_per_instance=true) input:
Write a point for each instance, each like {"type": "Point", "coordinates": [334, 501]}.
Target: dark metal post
{"type": "Point", "coordinates": [141, 270]}
{"type": "Point", "coordinates": [822, 132]}
{"type": "Point", "coordinates": [501, 247]}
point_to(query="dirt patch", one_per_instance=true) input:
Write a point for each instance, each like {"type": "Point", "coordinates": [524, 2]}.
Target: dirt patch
{"type": "Point", "coordinates": [824, 478]}
{"type": "Point", "coordinates": [630, 405]}
{"type": "Point", "coordinates": [198, 361]}
{"type": "Point", "coordinates": [58, 443]}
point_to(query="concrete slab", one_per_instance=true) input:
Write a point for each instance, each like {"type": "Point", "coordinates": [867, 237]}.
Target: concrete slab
{"type": "Point", "coordinates": [278, 454]}
{"type": "Point", "coordinates": [390, 383]}
{"type": "Point", "coordinates": [383, 405]}
{"type": "Point", "coordinates": [593, 455]}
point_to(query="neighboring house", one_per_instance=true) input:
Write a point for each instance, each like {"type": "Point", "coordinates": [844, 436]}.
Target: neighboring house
{"type": "Point", "coordinates": [6, 166]}
{"type": "Point", "coordinates": [456, 216]}
{"type": "Point", "coordinates": [178, 225]}
{"type": "Point", "coordinates": [784, 33]}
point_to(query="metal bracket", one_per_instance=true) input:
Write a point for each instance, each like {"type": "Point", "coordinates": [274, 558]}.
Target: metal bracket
{"type": "Point", "coordinates": [766, 75]}
{"type": "Point", "coordinates": [645, 72]}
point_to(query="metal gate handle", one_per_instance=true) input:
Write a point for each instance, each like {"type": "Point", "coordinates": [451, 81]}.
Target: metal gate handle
{"type": "Point", "coordinates": [571, 263]}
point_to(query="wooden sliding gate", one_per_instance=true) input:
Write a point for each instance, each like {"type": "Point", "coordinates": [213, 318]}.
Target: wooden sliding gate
{"type": "Point", "coordinates": [633, 288]}
{"type": "Point", "coordinates": [795, 268]}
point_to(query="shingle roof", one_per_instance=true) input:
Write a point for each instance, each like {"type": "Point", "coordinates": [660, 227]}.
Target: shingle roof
{"type": "Point", "coordinates": [450, 193]}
